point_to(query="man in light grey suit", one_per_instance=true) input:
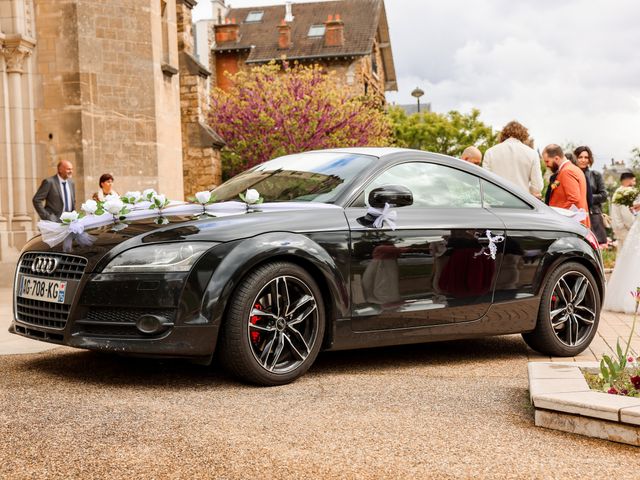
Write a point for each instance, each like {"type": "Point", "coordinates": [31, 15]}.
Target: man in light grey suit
{"type": "Point", "coordinates": [56, 194]}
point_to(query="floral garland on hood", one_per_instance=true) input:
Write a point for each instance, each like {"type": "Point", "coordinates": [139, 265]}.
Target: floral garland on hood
{"type": "Point", "coordinates": [117, 210]}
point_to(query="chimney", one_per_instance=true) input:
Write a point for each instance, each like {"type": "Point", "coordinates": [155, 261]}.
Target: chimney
{"type": "Point", "coordinates": [334, 32]}
{"type": "Point", "coordinates": [284, 35]}
{"type": "Point", "coordinates": [288, 14]}
{"type": "Point", "coordinates": [227, 32]}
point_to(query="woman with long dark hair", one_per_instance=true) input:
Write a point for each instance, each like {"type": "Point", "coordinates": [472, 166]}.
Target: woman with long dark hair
{"type": "Point", "coordinates": [584, 160]}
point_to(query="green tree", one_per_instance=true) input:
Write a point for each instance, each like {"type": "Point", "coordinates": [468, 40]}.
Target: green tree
{"type": "Point", "coordinates": [277, 109]}
{"type": "Point", "coordinates": [448, 133]}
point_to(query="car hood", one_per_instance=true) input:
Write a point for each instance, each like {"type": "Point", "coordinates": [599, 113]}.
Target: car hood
{"type": "Point", "coordinates": [108, 241]}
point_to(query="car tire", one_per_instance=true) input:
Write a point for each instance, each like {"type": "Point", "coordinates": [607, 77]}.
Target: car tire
{"type": "Point", "coordinates": [569, 312]}
{"type": "Point", "coordinates": [274, 325]}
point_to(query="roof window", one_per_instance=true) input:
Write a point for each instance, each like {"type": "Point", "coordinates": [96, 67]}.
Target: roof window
{"type": "Point", "coordinates": [254, 16]}
{"type": "Point", "coordinates": [316, 31]}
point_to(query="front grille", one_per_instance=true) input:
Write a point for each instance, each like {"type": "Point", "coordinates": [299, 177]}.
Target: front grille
{"type": "Point", "coordinates": [45, 314]}
{"type": "Point", "coordinates": [48, 314]}
{"type": "Point", "coordinates": [69, 267]}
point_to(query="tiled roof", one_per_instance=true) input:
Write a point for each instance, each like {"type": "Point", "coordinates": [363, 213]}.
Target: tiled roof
{"type": "Point", "coordinates": [361, 19]}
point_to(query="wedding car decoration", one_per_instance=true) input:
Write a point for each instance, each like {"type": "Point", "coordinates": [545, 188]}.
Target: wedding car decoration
{"type": "Point", "coordinates": [117, 210]}
{"type": "Point", "coordinates": [382, 216]}
{"type": "Point", "coordinates": [573, 212]}
{"type": "Point", "coordinates": [492, 249]}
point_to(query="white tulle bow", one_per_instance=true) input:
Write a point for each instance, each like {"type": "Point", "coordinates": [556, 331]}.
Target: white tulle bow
{"type": "Point", "coordinates": [492, 249]}
{"type": "Point", "coordinates": [573, 212]}
{"type": "Point", "coordinates": [386, 215]}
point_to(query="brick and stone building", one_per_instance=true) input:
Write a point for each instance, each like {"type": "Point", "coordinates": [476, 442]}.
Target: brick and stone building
{"type": "Point", "coordinates": [111, 86]}
{"type": "Point", "coordinates": [350, 37]}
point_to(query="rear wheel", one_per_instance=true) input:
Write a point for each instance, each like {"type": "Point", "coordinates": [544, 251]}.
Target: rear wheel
{"type": "Point", "coordinates": [274, 327]}
{"type": "Point", "coordinates": [569, 312]}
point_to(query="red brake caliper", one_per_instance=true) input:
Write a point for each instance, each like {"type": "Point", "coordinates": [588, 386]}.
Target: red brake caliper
{"type": "Point", "coordinates": [255, 336]}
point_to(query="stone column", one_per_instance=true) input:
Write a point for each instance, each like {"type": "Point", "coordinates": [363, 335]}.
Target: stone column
{"type": "Point", "coordinates": [16, 50]}
{"type": "Point", "coordinates": [5, 184]}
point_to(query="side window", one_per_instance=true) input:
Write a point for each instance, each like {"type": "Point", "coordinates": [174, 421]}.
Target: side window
{"type": "Point", "coordinates": [433, 186]}
{"type": "Point", "coordinates": [497, 197]}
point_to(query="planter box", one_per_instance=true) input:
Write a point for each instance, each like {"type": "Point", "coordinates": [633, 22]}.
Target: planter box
{"type": "Point", "coordinates": [563, 401]}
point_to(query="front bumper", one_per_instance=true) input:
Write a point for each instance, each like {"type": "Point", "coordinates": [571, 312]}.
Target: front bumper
{"type": "Point", "coordinates": [179, 342]}
{"type": "Point", "coordinates": [102, 311]}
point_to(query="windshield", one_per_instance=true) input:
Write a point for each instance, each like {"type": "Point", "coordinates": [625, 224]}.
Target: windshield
{"type": "Point", "coordinates": [307, 177]}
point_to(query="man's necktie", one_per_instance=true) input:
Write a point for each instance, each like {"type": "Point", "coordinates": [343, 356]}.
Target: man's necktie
{"type": "Point", "coordinates": [66, 197]}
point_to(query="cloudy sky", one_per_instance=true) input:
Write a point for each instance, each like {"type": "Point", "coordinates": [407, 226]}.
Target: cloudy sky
{"type": "Point", "coordinates": [569, 70]}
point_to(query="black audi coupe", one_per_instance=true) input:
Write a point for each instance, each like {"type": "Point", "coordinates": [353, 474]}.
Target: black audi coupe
{"type": "Point", "coordinates": [411, 247]}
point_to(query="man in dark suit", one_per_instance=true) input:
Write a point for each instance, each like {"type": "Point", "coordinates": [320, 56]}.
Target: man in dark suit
{"type": "Point", "coordinates": [56, 194]}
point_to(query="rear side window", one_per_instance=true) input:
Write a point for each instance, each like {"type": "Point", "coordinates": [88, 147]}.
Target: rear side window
{"type": "Point", "coordinates": [497, 197]}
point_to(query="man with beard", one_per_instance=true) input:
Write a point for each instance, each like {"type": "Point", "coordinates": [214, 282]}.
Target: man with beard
{"type": "Point", "coordinates": [568, 185]}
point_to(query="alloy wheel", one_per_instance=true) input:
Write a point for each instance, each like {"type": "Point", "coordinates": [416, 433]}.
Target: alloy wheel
{"type": "Point", "coordinates": [572, 308]}
{"type": "Point", "coordinates": [283, 324]}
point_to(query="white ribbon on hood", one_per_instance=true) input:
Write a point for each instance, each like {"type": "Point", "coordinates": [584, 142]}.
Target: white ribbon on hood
{"type": "Point", "coordinates": [54, 233]}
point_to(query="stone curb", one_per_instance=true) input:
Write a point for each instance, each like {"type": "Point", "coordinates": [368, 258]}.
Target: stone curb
{"type": "Point", "coordinates": [563, 401]}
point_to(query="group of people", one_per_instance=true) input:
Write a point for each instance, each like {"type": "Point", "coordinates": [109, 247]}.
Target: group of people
{"type": "Point", "coordinates": [572, 181]}
{"type": "Point", "coordinates": [57, 194]}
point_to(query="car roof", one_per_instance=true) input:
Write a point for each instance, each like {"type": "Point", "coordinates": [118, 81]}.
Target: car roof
{"type": "Point", "coordinates": [372, 151]}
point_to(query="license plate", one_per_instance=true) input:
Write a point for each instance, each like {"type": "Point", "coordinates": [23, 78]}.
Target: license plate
{"type": "Point", "coordinates": [43, 289]}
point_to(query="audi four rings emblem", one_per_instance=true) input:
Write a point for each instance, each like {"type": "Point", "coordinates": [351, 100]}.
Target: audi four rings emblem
{"type": "Point", "coordinates": [44, 265]}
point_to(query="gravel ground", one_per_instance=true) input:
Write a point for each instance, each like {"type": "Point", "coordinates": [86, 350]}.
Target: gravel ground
{"type": "Point", "coordinates": [447, 410]}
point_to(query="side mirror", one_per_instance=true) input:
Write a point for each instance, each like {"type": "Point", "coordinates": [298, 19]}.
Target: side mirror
{"type": "Point", "coordinates": [394, 195]}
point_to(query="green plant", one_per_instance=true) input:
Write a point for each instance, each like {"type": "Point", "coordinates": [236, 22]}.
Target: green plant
{"type": "Point", "coordinates": [448, 133]}
{"type": "Point", "coordinates": [609, 257]}
{"type": "Point", "coordinates": [616, 378]}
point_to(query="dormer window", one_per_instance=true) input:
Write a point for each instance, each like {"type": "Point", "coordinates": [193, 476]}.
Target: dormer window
{"type": "Point", "coordinates": [316, 31]}
{"type": "Point", "coordinates": [254, 16]}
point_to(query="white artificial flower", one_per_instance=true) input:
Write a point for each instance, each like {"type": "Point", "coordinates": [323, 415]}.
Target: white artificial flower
{"type": "Point", "coordinates": [149, 193]}
{"type": "Point", "coordinates": [111, 197]}
{"type": "Point", "coordinates": [252, 196]}
{"type": "Point", "coordinates": [133, 197]}
{"type": "Point", "coordinates": [113, 206]}
{"type": "Point", "coordinates": [89, 207]}
{"type": "Point", "coordinates": [159, 199]}
{"type": "Point", "coordinates": [68, 217]}
{"type": "Point", "coordinates": [203, 197]}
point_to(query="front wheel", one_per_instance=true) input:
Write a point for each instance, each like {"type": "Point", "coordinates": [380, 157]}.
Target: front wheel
{"type": "Point", "coordinates": [569, 312]}
{"type": "Point", "coordinates": [274, 326]}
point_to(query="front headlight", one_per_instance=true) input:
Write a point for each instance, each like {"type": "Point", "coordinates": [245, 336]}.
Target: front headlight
{"type": "Point", "coordinates": [160, 257]}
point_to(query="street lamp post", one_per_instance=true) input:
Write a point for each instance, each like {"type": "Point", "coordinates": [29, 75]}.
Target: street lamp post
{"type": "Point", "coordinates": [417, 92]}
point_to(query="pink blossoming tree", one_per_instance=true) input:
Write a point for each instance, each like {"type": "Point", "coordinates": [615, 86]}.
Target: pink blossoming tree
{"type": "Point", "coordinates": [275, 109]}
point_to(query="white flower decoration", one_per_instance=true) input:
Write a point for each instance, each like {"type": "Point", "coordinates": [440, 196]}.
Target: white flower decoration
{"type": "Point", "coordinates": [159, 199]}
{"type": "Point", "coordinates": [113, 206]}
{"type": "Point", "coordinates": [252, 196]}
{"type": "Point", "coordinates": [68, 217]}
{"type": "Point", "coordinates": [149, 193]}
{"type": "Point", "coordinates": [89, 207]}
{"type": "Point", "coordinates": [133, 197]}
{"type": "Point", "coordinates": [203, 197]}
{"type": "Point", "coordinates": [111, 197]}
